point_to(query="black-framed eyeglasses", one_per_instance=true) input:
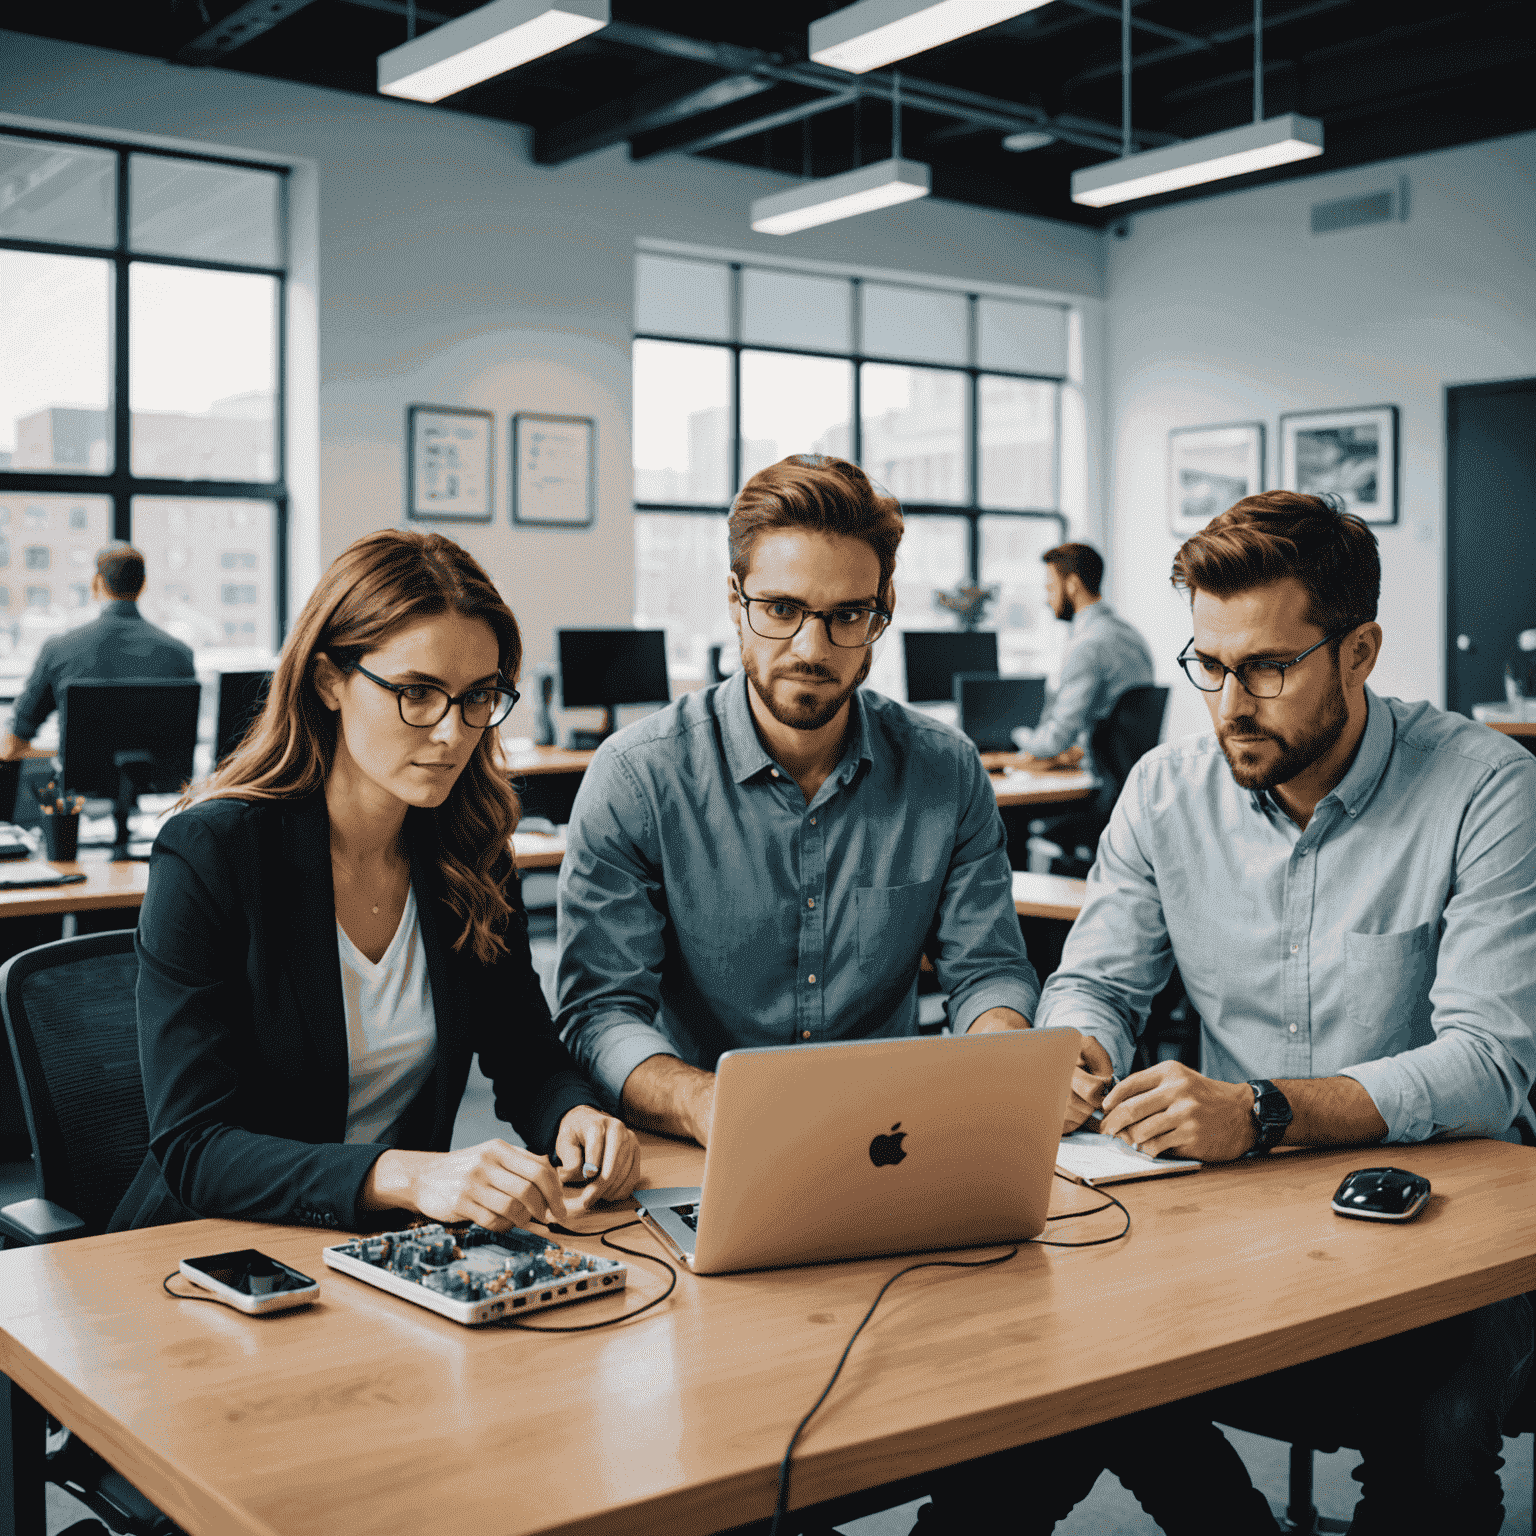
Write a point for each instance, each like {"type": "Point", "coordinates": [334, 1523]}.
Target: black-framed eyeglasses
{"type": "Point", "coordinates": [1262, 679]}
{"type": "Point", "coordinates": [425, 704]}
{"type": "Point", "coordinates": [778, 618]}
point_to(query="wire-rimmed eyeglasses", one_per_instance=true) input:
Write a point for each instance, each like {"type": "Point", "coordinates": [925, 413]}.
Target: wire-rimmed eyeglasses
{"type": "Point", "coordinates": [425, 704]}
{"type": "Point", "coordinates": [1262, 679]}
{"type": "Point", "coordinates": [780, 618]}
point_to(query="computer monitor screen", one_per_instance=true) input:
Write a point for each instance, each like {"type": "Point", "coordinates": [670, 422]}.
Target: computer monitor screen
{"type": "Point", "coordinates": [993, 707]}
{"type": "Point", "coordinates": [935, 655]}
{"type": "Point", "coordinates": [241, 695]}
{"type": "Point", "coordinates": [600, 668]}
{"type": "Point", "coordinates": [152, 718]}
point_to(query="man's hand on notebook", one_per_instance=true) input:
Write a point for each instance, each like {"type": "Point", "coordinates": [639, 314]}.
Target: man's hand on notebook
{"type": "Point", "coordinates": [1172, 1108]}
{"type": "Point", "coordinates": [1092, 1079]}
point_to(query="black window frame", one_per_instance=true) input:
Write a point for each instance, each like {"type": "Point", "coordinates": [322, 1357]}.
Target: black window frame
{"type": "Point", "coordinates": [972, 510]}
{"type": "Point", "coordinates": [120, 485]}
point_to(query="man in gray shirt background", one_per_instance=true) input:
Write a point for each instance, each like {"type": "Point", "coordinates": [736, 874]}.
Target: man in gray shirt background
{"type": "Point", "coordinates": [121, 643]}
{"type": "Point", "coordinates": [1347, 884]}
{"type": "Point", "coordinates": [765, 861]}
{"type": "Point", "coordinates": [1104, 656]}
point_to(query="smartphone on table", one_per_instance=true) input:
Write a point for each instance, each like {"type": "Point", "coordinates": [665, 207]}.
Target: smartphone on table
{"type": "Point", "coordinates": [250, 1280]}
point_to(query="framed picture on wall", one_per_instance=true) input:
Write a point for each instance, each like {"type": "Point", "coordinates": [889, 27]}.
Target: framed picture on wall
{"type": "Point", "coordinates": [1351, 454]}
{"type": "Point", "coordinates": [1208, 469]}
{"type": "Point", "coordinates": [449, 477]}
{"type": "Point", "coordinates": [554, 470]}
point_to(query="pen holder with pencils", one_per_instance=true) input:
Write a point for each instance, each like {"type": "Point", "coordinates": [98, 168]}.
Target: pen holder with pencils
{"type": "Point", "coordinates": [61, 823]}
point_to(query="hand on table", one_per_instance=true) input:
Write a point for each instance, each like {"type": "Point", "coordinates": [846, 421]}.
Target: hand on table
{"type": "Point", "coordinates": [597, 1147]}
{"type": "Point", "coordinates": [13, 749]}
{"type": "Point", "coordinates": [495, 1184]}
{"type": "Point", "coordinates": [1091, 1080]}
{"type": "Point", "coordinates": [1172, 1108]}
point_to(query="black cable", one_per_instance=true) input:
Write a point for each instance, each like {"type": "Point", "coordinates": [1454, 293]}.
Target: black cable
{"type": "Point", "coordinates": [165, 1285]}
{"type": "Point", "coordinates": [1094, 1242]}
{"type": "Point", "coordinates": [607, 1322]}
{"type": "Point", "coordinates": [781, 1507]}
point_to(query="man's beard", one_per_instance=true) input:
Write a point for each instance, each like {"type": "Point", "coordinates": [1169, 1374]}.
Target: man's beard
{"type": "Point", "coordinates": [810, 711]}
{"type": "Point", "coordinates": [1295, 756]}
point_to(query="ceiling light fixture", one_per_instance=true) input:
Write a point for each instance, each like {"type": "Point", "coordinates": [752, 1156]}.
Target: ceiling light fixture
{"type": "Point", "coordinates": [485, 43]}
{"type": "Point", "coordinates": [1022, 143]}
{"type": "Point", "coordinates": [863, 190]}
{"type": "Point", "coordinates": [1256, 146]}
{"type": "Point", "coordinates": [874, 33]}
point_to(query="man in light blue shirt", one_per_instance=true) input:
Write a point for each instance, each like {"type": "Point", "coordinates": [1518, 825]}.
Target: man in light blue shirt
{"type": "Point", "coordinates": [765, 861]}
{"type": "Point", "coordinates": [1348, 886]}
{"type": "Point", "coordinates": [1104, 656]}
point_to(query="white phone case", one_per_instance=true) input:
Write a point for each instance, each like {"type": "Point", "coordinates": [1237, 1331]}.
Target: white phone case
{"type": "Point", "coordinates": [274, 1301]}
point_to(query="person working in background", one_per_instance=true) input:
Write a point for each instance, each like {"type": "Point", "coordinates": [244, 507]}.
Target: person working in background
{"type": "Point", "coordinates": [1348, 886]}
{"type": "Point", "coordinates": [1104, 655]}
{"type": "Point", "coordinates": [762, 862]}
{"type": "Point", "coordinates": [120, 644]}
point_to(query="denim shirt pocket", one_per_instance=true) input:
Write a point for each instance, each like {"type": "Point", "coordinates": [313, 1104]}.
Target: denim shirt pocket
{"type": "Point", "coordinates": [1387, 980]}
{"type": "Point", "coordinates": [893, 921]}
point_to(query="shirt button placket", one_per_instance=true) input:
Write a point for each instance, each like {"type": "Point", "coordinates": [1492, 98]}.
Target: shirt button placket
{"type": "Point", "coordinates": [813, 930]}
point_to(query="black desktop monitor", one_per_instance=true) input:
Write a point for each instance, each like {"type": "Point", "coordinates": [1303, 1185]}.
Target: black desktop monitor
{"type": "Point", "coordinates": [120, 739]}
{"type": "Point", "coordinates": [241, 695]}
{"type": "Point", "coordinates": [603, 668]}
{"type": "Point", "coordinates": [993, 707]}
{"type": "Point", "coordinates": [935, 655]}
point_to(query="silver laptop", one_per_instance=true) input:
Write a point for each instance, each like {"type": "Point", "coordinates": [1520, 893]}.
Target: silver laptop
{"type": "Point", "coordinates": [822, 1152]}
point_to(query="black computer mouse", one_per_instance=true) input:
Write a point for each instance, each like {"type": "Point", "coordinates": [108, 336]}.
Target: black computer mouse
{"type": "Point", "coordinates": [1382, 1194]}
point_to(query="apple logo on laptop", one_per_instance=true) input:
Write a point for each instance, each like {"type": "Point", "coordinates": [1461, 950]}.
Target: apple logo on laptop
{"type": "Point", "coordinates": [886, 1149]}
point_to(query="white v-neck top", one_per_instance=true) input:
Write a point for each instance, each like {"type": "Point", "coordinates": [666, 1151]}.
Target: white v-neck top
{"type": "Point", "coordinates": [391, 1028]}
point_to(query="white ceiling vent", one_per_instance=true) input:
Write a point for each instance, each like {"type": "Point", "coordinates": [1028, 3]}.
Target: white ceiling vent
{"type": "Point", "coordinates": [1383, 207]}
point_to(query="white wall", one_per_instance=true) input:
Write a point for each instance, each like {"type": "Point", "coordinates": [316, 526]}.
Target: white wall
{"type": "Point", "coordinates": [1228, 309]}
{"type": "Point", "coordinates": [451, 270]}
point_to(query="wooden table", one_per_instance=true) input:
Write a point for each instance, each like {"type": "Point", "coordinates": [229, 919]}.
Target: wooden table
{"type": "Point", "coordinates": [1054, 788]}
{"type": "Point", "coordinates": [123, 885]}
{"type": "Point", "coordinates": [530, 764]}
{"type": "Point", "coordinates": [1057, 896]}
{"type": "Point", "coordinates": [372, 1416]}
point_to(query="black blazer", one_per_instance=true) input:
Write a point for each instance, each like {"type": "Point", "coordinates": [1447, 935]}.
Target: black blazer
{"type": "Point", "coordinates": [242, 1026]}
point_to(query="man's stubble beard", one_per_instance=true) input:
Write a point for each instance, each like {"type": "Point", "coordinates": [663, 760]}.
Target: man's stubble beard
{"type": "Point", "coordinates": [1295, 756]}
{"type": "Point", "coordinates": [814, 712]}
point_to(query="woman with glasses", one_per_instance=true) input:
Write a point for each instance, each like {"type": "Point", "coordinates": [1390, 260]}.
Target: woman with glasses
{"type": "Point", "coordinates": [333, 929]}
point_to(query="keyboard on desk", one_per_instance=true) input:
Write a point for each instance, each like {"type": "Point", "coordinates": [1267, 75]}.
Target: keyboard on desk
{"type": "Point", "coordinates": [688, 1215]}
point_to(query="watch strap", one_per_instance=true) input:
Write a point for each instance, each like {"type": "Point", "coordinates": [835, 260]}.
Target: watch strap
{"type": "Point", "coordinates": [1272, 1111]}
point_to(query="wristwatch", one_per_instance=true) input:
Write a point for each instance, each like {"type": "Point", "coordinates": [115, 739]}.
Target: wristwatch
{"type": "Point", "coordinates": [1272, 1111]}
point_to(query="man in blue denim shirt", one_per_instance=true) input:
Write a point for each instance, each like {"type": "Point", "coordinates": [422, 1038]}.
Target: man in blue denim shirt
{"type": "Point", "coordinates": [1348, 886]}
{"type": "Point", "coordinates": [764, 862]}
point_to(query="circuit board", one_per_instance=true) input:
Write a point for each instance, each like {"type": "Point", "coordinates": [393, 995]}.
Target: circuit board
{"type": "Point", "coordinates": [472, 1275]}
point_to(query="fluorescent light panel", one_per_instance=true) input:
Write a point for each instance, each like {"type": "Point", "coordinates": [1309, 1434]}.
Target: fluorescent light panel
{"type": "Point", "coordinates": [487, 42]}
{"type": "Point", "coordinates": [876, 32]}
{"type": "Point", "coordinates": [1217, 156]}
{"type": "Point", "coordinates": [841, 197]}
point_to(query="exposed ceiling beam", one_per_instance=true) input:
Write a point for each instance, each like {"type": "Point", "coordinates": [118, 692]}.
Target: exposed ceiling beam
{"type": "Point", "coordinates": [695, 138]}
{"type": "Point", "coordinates": [1112, 12]}
{"type": "Point", "coordinates": [1211, 40]}
{"type": "Point", "coordinates": [400, 8]}
{"type": "Point", "coordinates": [238, 28]}
{"type": "Point", "coordinates": [658, 106]}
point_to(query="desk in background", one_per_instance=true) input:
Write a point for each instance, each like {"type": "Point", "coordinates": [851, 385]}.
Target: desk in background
{"type": "Point", "coordinates": [1524, 731]}
{"type": "Point", "coordinates": [368, 1414]}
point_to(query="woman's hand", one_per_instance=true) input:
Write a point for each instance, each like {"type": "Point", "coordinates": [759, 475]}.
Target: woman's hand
{"type": "Point", "coordinates": [597, 1147]}
{"type": "Point", "coordinates": [495, 1184]}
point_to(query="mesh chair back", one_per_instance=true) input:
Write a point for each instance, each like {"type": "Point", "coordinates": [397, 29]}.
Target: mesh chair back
{"type": "Point", "coordinates": [73, 1027]}
{"type": "Point", "coordinates": [1123, 737]}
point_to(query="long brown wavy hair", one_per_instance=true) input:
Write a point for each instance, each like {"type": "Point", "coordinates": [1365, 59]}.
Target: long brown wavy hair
{"type": "Point", "coordinates": [374, 587]}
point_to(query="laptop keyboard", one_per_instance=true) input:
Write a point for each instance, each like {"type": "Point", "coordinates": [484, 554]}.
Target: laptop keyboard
{"type": "Point", "coordinates": [689, 1215]}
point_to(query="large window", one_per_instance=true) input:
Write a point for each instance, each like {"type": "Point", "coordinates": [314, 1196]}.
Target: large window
{"type": "Point", "coordinates": [951, 402]}
{"type": "Point", "coordinates": [141, 392]}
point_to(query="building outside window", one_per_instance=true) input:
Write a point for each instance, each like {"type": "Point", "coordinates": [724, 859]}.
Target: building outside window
{"type": "Point", "coordinates": [950, 401]}
{"type": "Point", "coordinates": [141, 390]}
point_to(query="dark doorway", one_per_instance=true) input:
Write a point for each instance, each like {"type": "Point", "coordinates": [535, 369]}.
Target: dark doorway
{"type": "Point", "coordinates": [1490, 432]}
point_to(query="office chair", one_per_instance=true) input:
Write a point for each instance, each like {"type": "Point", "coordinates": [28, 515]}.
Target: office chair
{"type": "Point", "coordinates": [74, 1038]}
{"type": "Point", "coordinates": [1117, 743]}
